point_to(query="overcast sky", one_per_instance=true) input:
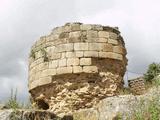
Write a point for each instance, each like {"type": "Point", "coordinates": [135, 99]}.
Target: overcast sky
{"type": "Point", "coordinates": [22, 22]}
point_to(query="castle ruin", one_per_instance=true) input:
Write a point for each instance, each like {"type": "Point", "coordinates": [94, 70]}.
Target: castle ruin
{"type": "Point", "coordinates": [76, 66]}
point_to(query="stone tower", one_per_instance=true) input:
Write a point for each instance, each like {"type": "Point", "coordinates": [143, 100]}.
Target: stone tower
{"type": "Point", "coordinates": [77, 65]}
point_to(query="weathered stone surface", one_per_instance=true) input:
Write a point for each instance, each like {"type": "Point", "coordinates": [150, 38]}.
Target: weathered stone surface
{"type": "Point", "coordinates": [27, 115]}
{"type": "Point", "coordinates": [62, 62]}
{"type": "Point", "coordinates": [72, 61]}
{"type": "Point", "coordinates": [90, 69]}
{"type": "Point", "coordinates": [53, 64]}
{"type": "Point", "coordinates": [85, 61]}
{"type": "Point", "coordinates": [79, 54]}
{"type": "Point", "coordinates": [90, 54]}
{"type": "Point", "coordinates": [64, 70]}
{"type": "Point", "coordinates": [103, 34]}
{"type": "Point", "coordinates": [80, 46]}
{"type": "Point", "coordinates": [92, 34]}
{"type": "Point", "coordinates": [113, 41]}
{"type": "Point", "coordinates": [64, 47]}
{"type": "Point", "coordinates": [77, 69]}
{"type": "Point", "coordinates": [111, 108]}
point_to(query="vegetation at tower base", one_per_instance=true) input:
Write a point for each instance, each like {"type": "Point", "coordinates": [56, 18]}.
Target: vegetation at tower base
{"type": "Point", "coordinates": [152, 72]}
{"type": "Point", "coordinates": [76, 66]}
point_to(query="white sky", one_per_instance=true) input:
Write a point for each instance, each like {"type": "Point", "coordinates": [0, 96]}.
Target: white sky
{"type": "Point", "coordinates": [23, 21]}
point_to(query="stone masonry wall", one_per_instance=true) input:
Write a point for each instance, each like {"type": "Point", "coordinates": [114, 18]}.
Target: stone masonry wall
{"type": "Point", "coordinates": [137, 86]}
{"type": "Point", "coordinates": [77, 65]}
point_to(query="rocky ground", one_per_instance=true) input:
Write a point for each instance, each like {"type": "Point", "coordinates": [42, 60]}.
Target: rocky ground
{"type": "Point", "coordinates": [108, 109]}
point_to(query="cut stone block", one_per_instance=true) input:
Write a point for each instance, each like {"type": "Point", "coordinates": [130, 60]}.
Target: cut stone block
{"type": "Point", "coordinates": [64, 70]}
{"type": "Point", "coordinates": [92, 34]}
{"type": "Point", "coordinates": [76, 34]}
{"type": "Point", "coordinates": [62, 62]}
{"type": "Point", "coordinates": [90, 69]}
{"type": "Point", "coordinates": [44, 81]}
{"type": "Point", "coordinates": [70, 54]}
{"type": "Point", "coordinates": [85, 27]}
{"type": "Point", "coordinates": [53, 64]}
{"type": "Point", "coordinates": [64, 47]}
{"type": "Point", "coordinates": [72, 61]}
{"type": "Point", "coordinates": [48, 72]}
{"type": "Point", "coordinates": [77, 69]}
{"type": "Point", "coordinates": [80, 46]}
{"type": "Point", "coordinates": [55, 56]}
{"type": "Point", "coordinates": [85, 61]}
{"type": "Point", "coordinates": [75, 27]}
{"type": "Point", "coordinates": [113, 41]}
{"type": "Point", "coordinates": [113, 35]}
{"type": "Point", "coordinates": [79, 54]}
{"type": "Point", "coordinates": [103, 34]}
{"type": "Point", "coordinates": [90, 54]}
{"type": "Point", "coordinates": [111, 55]}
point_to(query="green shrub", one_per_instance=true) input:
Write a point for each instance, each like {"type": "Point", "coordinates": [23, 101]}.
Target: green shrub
{"type": "Point", "coordinates": [152, 72]}
{"type": "Point", "coordinates": [12, 103]}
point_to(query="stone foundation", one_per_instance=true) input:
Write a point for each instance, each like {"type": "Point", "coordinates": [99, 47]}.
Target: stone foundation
{"type": "Point", "coordinates": [76, 66]}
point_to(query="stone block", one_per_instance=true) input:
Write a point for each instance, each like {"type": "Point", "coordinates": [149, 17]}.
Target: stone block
{"type": "Point", "coordinates": [75, 27]}
{"type": "Point", "coordinates": [53, 64]}
{"type": "Point", "coordinates": [92, 34]}
{"type": "Point", "coordinates": [90, 54]}
{"type": "Point", "coordinates": [75, 34]}
{"type": "Point", "coordinates": [80, 46]}
{"type": "Point", "coordinates": [55, 56]}
{"type": "Point", "coordinates": [33, 84]}
{"type": "Point", "coordinates": [85, 27]}
{"type": "Point", "coordinates": [72, 61]}
{"type": "Point", "coordinates": [50, 49]}
{"type": "Point", "coordinates": [103, 34]}
{"type": "Point", "coordinates": [85, 61]}
{"type": "Point", "coordinates": [63, 35]}
{"type": "Point", "coordinates": [62, 62]}
{"type": "Point", "coordinates": [95, 46]}
{"type": "Point", "coordinates": [107, 47]}
{"type": "Point", "coordinates": [117, 56]}
{"type": "Point", "coordinates": [67, 28]}
{"type": "Point", "coordinates": [70, 54]}
{"type": "Point", "coordinates": [64, 70]}
{"type": "Point", "coordinates": [97, 27]}
{"type": "Point", "coordinates": [79, 53]}
{"type": "Point", "coordinates": [44, 65]}
{"type": "Point", "coordinates": [44, 81]}
{"type": "Point", "coordinates": [113, 35]}
{"type": "Point", "coordinates": [63, 55]}
{"type": "Point", "coordinates": [103, 40]}
{"type": "Point", "coordinates": [110, 55]}
{"type": "Point", "coordinates": [77, 69]}
{"type": "Point", "coordinates": [118, 49]}
{"type": "Point", "coordinates": [48, 72]}
{"type": "Point", "coordinates": [113, 41]}
{"type": "Point", "coordinates": [37, 75]}
{"type": "Point", "coordinates": [90, 69]}
{"type": "Point", "coordinates": [64, 47]}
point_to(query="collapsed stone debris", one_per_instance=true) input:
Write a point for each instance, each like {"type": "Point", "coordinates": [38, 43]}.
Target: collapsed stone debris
{"type": "Point", "coordinates": [76, 66]}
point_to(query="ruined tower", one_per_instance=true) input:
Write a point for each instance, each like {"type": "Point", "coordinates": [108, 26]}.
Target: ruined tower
{"type": "Point", "coordinates": [77, 65]}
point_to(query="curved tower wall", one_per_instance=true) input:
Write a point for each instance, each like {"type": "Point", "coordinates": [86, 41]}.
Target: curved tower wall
{"type": "Point", "coordinates": [78, 64]}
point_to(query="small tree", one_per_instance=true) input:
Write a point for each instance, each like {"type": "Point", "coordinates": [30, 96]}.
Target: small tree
{"type": "Point", "coordinates": [152, 72]}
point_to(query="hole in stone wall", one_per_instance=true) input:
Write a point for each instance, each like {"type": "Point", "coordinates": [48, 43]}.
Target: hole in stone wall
{"type": "Point", "coordinates": [42, 104]}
